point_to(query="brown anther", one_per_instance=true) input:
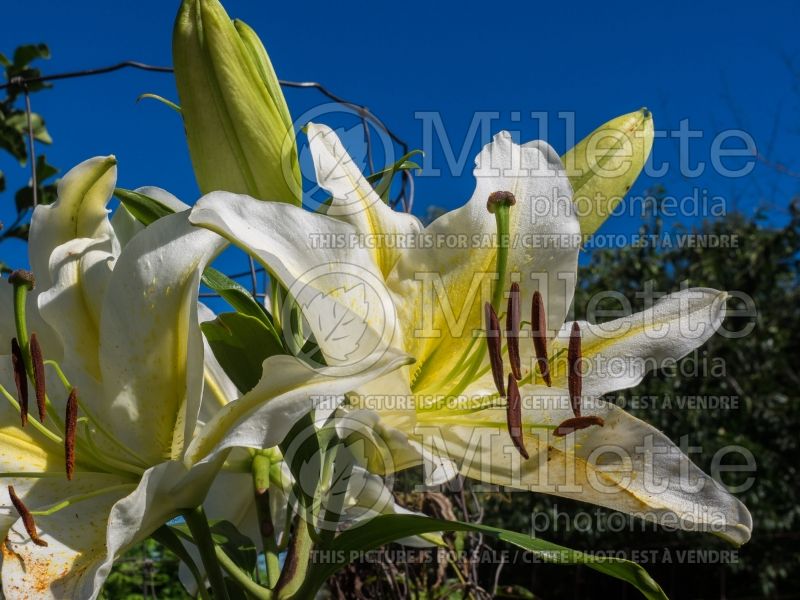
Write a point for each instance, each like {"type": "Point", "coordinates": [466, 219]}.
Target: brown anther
{"type": "Point", "coordinates": [574, 376]}
{"type": "Point", "coordinates": [514, 416]}
{"type": "Point", "coordinates": [500, 199]}
{"type": "Point", "coordinates": [539, 333]}
{"type": "Point", "coordinates": [20, 379]}
{"type": "Point", "coordinates": [27, 517]}
{"type": "Point", "coordinates": [494, 341]}
{"type": "Point", "coordinates": [576, 423]}
{"type": "Point", "coordinates": [512, 330]}
{"type": "Point", "coordinates": [38, 376]}
{"type": "Point", "coordinates": [70, 428]}
{"type": "Point", "coordinates": [22, 277]}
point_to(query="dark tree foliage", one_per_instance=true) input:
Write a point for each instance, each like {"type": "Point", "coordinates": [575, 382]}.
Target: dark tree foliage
{"type": "Point", "coordinates": [15, 130]}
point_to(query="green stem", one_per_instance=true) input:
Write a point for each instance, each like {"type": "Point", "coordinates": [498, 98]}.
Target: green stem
{"type": "Point", "coordinates": [198, 524]}
{"type": "Point", "coordinates": [261, 466]}
{"type": "Point", "coordinates": [297, 559]}
{"type": "Point", "coordinates": [240, 577]}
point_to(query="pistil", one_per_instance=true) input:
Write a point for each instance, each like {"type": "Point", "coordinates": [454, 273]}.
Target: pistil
{"type": "Point", "coordinates": [514, 416]}
{"type": "Point", "coordinates": [20, 379]}
{"type": "Point", "coordinates": [539, 332]}
{"type": "Point", "coordinates": [27, 517]}
{"type": "Point", "coordinates": [512, 330]}
{"type": "Point", "coordinates": [494, 343]}
{"type": "Point", "coordinates": [499, 204]}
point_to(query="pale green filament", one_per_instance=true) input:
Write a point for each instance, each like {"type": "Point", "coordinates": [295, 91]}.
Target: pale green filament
{"type": "Point", "coordinates": [96, 423]}
{"type": "Point", "coordinates": [80, 498]}
{"type": "Point", "coordinates": [36, 424]}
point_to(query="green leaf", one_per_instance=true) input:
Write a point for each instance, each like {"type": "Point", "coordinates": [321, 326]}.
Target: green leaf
{"type": "Point", "coordinates": [385, 177]}
{"type": "Point", "coordinates": [167, 537]}
{"type": "Point", "coordinates": [161, 99]}
{"type": "Point", "coordinates": [24, 55]}
{"type": "Point", "coordinates": [144, 208]}
{"type": "Point", "coordinates": [237, 296]}
{"type": "Point", "coordinates": [19, 122]}
{"type": "Point", "coordinates": [387, 528]}
{"type": "Point", "coordinates": [603, 166]}
{"type": "Point", "coordinates": [237, 546]}
{"type": "Point", "coordinates": [241, 344]}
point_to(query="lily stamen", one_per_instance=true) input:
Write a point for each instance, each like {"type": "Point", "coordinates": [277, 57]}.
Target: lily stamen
{"type": "Point", "coordinates": [494, 343]}
{"type": "Point", "coordinates": [574, 376]}
{"type": "Point", "coordinates": [20, 379]}
{"type": "Point", "coordinates": [575, 423]}
{"type": "Point", "coordinates": [70, 428]}
{"type": "Point", "coordinates": [38, 376]}
{"type": "Point", "coordinates": [514, 416]}
{"type": "Point", "coordinates": [539, 332]}
{"type": "Point", "coordinates": [512, 330]}
{"type": "Point", "coordinates": [26, 516]}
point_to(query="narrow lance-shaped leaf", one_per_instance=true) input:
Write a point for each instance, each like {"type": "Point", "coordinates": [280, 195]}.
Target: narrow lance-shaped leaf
{"type": "Point", "coordinates": [387, 528]}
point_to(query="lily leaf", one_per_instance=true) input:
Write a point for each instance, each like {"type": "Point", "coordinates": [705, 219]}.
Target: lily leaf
{"type": "Point", "coordinates": [385, 177]}
{"type": "Point", "coordinates": [145, 209]}
{"type": "Point", "coordinates": [161, 99]}
{"type": "Point", "coordinates": [386, 528]}
{"type": "Point", "coordinates": [241, 343]}
{"type": "Point", "coordinates": [603, 166]}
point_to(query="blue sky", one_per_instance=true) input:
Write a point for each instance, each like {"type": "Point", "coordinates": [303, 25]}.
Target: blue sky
{"type": "Point", "coordinates": [721, 65]}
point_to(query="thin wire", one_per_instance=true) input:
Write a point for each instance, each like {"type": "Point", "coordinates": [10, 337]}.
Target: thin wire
{"type": "Point", "coordinates": [405, 196]}
{"type": "Point", "coordinates": [31, 146]}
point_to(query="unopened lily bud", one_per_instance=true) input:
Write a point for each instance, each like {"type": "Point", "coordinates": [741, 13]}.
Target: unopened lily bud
{"type": "Point", "coordinates": [237, 123]}
{"type": "Point", "coordinates": [603, 166]}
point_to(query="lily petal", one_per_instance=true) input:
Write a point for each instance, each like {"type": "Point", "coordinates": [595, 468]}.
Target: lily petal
{"type": "Point", "coordinates": [79, 212]}
{"type": "Point", "coordinates": [288, 390]}
{"type": "Point", "coordinates": [72, 252]}
{"type": "Point", "coordinates": [617, 354]}
{"type": "Point", "coordinates": [438, 323]}
{"type": "Point", "coordinates": [336, 283]}
{"type": "Point", "coordinates": [353, 199]}
{"type": "Point", "coordinates": [81, 550]}
{"type": "Point", "coordinates": [626, 465]}
{"type": "Point", "coordinates": [151, 347]}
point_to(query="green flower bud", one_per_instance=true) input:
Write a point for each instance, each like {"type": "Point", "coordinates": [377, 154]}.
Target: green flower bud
{"type": "Point", "coordinates": [603, 166]}
{"type": "Point", "coordinates": [237, 123]}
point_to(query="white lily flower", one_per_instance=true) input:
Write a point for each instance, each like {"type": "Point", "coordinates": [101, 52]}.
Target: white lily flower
{"type": "Point", "coordinates": [122, 325]}
{"type": "Point", "coordinates": [427, 294]}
